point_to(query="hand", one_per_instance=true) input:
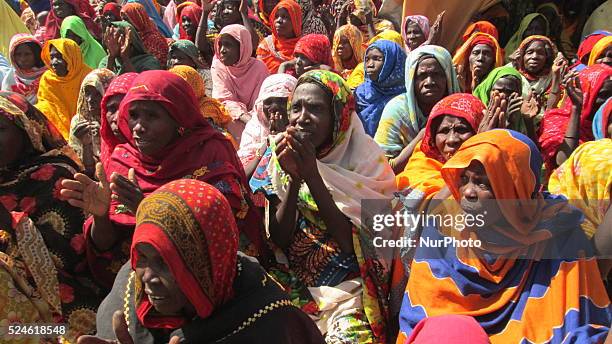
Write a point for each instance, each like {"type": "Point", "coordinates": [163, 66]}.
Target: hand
{"type": "Point", "coordinates": [574, 91]}
{"type": "Point", "coordinates": [91, 196]}
{"type": "Point", "coordinates": [82, 132]}
{"type": "Point", "coordinates": [207, 7]}
{"type": "Point", "coordinates": [125, 41]}
{"type": "Point", "coordinates": [278, 122]}
{"type": "Point", "coordinates": [420, 135]}
{"type": "Point", "coordinates": [530, 107]}
{"type": "Point", "coordinates": [559, 66]}
{"type": "Point", "coordinates": [121, 332]}
{"type": "Point", "coordinates": [307, 162]}
{"type": "Point", "coordinates": [495, 114]}
{"type": "Point", "coordinates": [343, 14]}
{"type": "Point", "coordinates": [287, 158]}
{"type": "Point", "coordinates": [111, 42]}
{"type": "Point", "coordinates": [515, 102]}
{"type": "Point", "coordinates": [460, 76]}
{"type": "Point", "coordinates": [126, 190]}
{"type": "Point", "coordinates": [436, 29]}
{"type": "Point", "coordinates": [514, 58]}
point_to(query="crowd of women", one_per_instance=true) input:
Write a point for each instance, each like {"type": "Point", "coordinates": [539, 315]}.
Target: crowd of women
{"type": "Point", "coordinates": [200, 171]}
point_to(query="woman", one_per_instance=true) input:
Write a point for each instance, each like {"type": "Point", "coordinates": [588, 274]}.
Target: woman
{"type": "Point", "coordinates": [495, 175]}
{"type": "Point", "coordinates": [602, 124]}
{"type": "Point", "coordinates": [532, 24]}
{"type": "Point", "coordinates": [365, 17]}
{"type": "Point", "coordinates": [153, 13]}
{"type": "Point", "coordinates": [323, 156]}
{"type": "Point", "coordinates": [74, 28]}
{"type": "Point", "coordinates": [602, 52]}
{"type": "Point", "coordinates": [347, 49]}
{"type": "Point", "coordinates": [186, 53]}
{"type": "Point", "coordinates": [236, 75]}
{"type": "Point", "coordinates": [585, 48]}
{"type": "Point", "coordinates": [264, 8]}
{"type": "Point", "coordinates": [189, 19]}
{"type": "Point", "coordinates": [430, 77]}
{"type": "Point", "coordinates": [228, 13]}
{"type": "Point", "coordinates": [131, 57]}
{"type": "Point", "coordinates": [153, 41]}
{"type": "Point", "coordinates": [563, 129]}
{"type": "Point", "coordinates": [211, 292]}
{"type": "Point", "coordinates": [85, 125]}
{"type": "Point", "coordinates": [287, 30]}
{"type": "Point", "coordinates": [44, 275]}
{"type": "Point", "coordinates": [60, 9]}
{"type": "Point", "coordinates": [415, 31]}
{"type": "Point", "coordinates": [312, 51]}
{"type": "Point", "coordinates": [166, 140]}
{"type": "Point", "coordinates": [111, 12]}
{"type": "Point", "coordinates": [384, 68]}
{"type": "Point", "coordinates": [475, 59]}
{"type": "Point", "coordinates": [28, 67]}
{"type": "Point", "coordinates": [60, 84]}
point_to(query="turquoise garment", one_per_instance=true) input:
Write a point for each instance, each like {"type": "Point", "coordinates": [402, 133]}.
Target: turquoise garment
{"type": "Point", "coordinates": [155, 17]}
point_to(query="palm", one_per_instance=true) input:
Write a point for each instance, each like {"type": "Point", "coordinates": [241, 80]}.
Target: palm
{"type": "Point", "coordinates": [96, 198]}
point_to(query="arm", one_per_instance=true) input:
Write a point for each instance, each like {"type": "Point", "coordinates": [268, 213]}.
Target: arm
{"type": "Point", "coordinates": [572, 133]}
{"type": "Point", "coordinates": [201, 40]}
{"type": "Point", "coordinates": [283, 216]}
{"type": "Point", "coordinates": [399, 162]}
{"type": "Point", "coordinates": [246, 22]}
{"type": "Point", "coordinates": [251, 166]}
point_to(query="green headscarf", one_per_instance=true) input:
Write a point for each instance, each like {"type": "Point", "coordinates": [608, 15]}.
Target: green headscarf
{"type": "Point", "coordinates": [189, 49]}
{"type": "Point", "coordinates": [483, 90]}
{"type": "Point", "coordinates": [92, 51]}
{"type": "Point", "coordinates": [140, 59]}
{"type": "Point", "coordinates": [517, 38]}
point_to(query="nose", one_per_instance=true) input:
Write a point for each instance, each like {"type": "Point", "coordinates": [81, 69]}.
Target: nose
{"type": "Point", "coordinates": [138, 128]}
{"type": "Point", "coordinates": [149, 276]}
{"type": "Point", "coordinates": [469, 192]}
{"type": "Point", "coordinates": [452, 139]}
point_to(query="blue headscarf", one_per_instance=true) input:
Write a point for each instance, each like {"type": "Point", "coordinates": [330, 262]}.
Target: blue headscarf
{"type": "Point", "coordinates": [372, 96]}
{"type": "Point", "coordinates": [599, 127]}
{"type": "Point", "coordinates": [154, 15]}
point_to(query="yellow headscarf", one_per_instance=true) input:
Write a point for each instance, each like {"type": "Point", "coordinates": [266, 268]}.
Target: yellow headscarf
{"type": "Point", "coordinates": [57, 96]}
{"type": "Point", "coordinates": [599, 49]}
{"type": "Point", "coordinates": [11, 25]}
{"type": "Point", "coordinates": [355, 38]}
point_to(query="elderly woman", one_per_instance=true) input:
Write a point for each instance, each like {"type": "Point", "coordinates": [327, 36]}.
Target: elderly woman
{"type": "Point", "coordinates": [316, 177]}
{"type": "Point", "coordinates": [430, 76]}
{"type": "Point", "coordinates": [27, 67]}
{"type": "Point", "coordinates": [475, 59]}
{"type": "Point", "coordinates": [494, 176]}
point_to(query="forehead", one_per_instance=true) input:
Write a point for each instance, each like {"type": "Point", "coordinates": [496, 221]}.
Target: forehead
{"type": "Point", "coordinates": [428, 64]}
{"type": "Point", "coordinates": [282, 12]}
{"type": "Point", "coordinates": [310, 93]}
{"type": "Point", "coordinates": [536, 45]}
{"type": "Point", "coordinates": [506, 81]}
{"type": "Point", "coordinates": [413, 25]}
{"type": "Point", "coordinates": [482, 46]}
{"type": "Point", "coordinates": [448, 120]}
{"type": "Point", "coordinates": [375, 52]}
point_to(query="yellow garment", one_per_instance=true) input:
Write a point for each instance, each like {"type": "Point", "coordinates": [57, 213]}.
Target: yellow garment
{"type": "Point", "coordinates": [57, 96]}
{"type": "Point", "coordinates": [421, 174]}
{"type": "Point", "coordinates": [599, 49]}
{"type": "Point", "coordinates": [355, 39]}
{"type": "Point", "coordinates": [585, 179]}
{"type": "Point", "coordinates": [462, 57]}
{"type": "Point", "coordinates": [10, 24]}
{"type": "Point", "coordinates": [358, 75]}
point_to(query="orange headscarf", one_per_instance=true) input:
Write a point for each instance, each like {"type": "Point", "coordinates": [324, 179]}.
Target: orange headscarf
{"type": "Point", "coordinates": [274, 50]}
{"type": "Point", "coordinates": [480, 26]}
{"type": "Point", "coordinates": [462, 55]}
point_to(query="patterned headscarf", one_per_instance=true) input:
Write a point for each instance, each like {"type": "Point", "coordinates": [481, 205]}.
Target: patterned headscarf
{"type": "Point", "coordinates": [599, 48]}
{"type": "Point", "coordinates": [153, 40]}
{"type": "Point", "coordinates": [316, 48]}
{"type": "Point", "coordinates": [189, 48]}
{"type": "Point", "coordinates": [100, 79]}
{"type": "Point", "coordinates": [25, 82]}
{"type": "Point", "coordinates": [421, 21]}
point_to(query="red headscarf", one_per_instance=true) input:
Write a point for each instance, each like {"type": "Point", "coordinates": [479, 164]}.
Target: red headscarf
{"type": "Point", "coordinates": [154, 42]}
{"type": "Point", "coordinates": [193, 12]}
{"type": "Point", "coordinates": [83, 10]}
{"type": "Point", "coordinates": [190, 225]}
{"type": "Point", "coordinates": [112, 7]}
{"type": "Point", "coordinates": [586, 47]}
{"type": "Point", "coordinates": [554, 123]}
{"type": "Point", "coordinates": [275, 50]}
{"type": "Point", "coordinates": [462, 105]}
{"type": "Point", "coordinates": [316, 48]}
{"type": "Point", "coordinates": [481, 26]}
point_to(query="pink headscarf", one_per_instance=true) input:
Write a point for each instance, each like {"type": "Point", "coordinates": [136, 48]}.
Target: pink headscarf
{"type": "Point", "coordinates": [421, 21]}
{"type": "Point", "coordinates": [237, 86]}
{"type": "Point", "coordinates": [170, 14]}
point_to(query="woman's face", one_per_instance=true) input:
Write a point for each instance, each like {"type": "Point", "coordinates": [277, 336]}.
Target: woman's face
{"type": "Point", "coordinates": [275, 111]}
{"type": "Point", "coordinates": [605, 92]}
{"type": "Point", "coordinates": [73, 36]}
{"type": "Point", "coordinates": [344, 50]}
{"type": "Point", "coordinates": [24, 57]}
{"type": "Point", "coordinates": [534, 59]}
{"type": "Point", "coordinates": [311, 113]}
{"type": "Point", "coordinates": [229, 50]}
{"type": "Point", "coordinates": [58, 64]}
{"type": "Point", "coordinates": [451, 133]}
{"type": "Point", "coordinates": [430, 82]}
{"type": "Point", "coordinates": [13, 142]}
{"type": "Point", "coordinates": [160, 286]}
{"type": "Point", "coordinates": [93, 99]}
{"type": "Point", "coordinates": [536, 27]}
{"type": "Point", "coordinates": [414, 35]}
{"type": "Point", "coordinates": [374, 61]}
{"type": "Point", "coordinates": [152, 126]}
{"type": "Point", "coordinates": [230, 13]}
{"type": "Point", "coordinates": [63, 9]}
{"type": "Point", "coordinates": [606, 57]}
{"type": "Point", "coordinates": [507, 85]}
{"type": "Point", "coordinates": [189, 26]}
{"type": "Point", "coordinates": [283, 25]}
{"type": "Point", "coordinates": [112, 114]}
{"type": "Point", "coordinates": [301, 63]}
{"type": "Point", "coordinates": [177, 57]}
{"type": "Point", "coordinates": [476, 193]}
{"type": "Point", "coordinates": [481, 60]}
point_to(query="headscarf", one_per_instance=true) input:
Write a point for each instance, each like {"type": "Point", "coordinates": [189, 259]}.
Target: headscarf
{"type": "Point", "coordinates": [92, 51]}
{"type": "Point", "coordinates": [193, 12]}
{"type": "Point", "coordinates": [480, 283]}
{"type": "Point", "coordinates": [112, 7]}
{"type": "Point", "coordinates": [316, 48]}
{"type": "Point", "coordinates": [257, 129]}
{"type": "Point", "coordinates": [421, 21]}
{"type": "Point", "coordinates": [462, 56]}
{"type": "Point", "coordinates": [402, 119]}
{"type": "Point", "coordinates": [11, 25]}
{"type": "Point", "coordinates": [457, 329]}
{"type": "Point", "coordinates": [585, 179]}
{"type": "Point", "coordinates": [154, 15]}
{"type": "Point", "coordinates": [355, 38]}
{"type": "Point", "coordinates": [24, 82]}
{"type": "Point", "coordinates": [274, 50]}
{"type": "Point", "coordinates": [481, 26]}
{"type": "Point", "coordinates": [555, 122]}
{"type": "Point", "coordinates": [483, 90]}
{"type": "Point", "coordinates": [189, 48]}
{"type": "Point", "coordinates": [601, 119]}
{"type": "Point", "coordinates": [57, 95]}
{"type": "Point", "coordinates": [372, 96]}
{"type": "Point", "coordinates": [170, 14]}
{"type": "Point", "coordinates": [209, 107]}
{"type": "Point", "coordinates": [83, 10]}
{"type": "Point", "coordinates": [153, 41]}
{"type": "Point", "coordinates": [120, 85]}
{"type": "Point", "coordinates": [517, 38]}
{"type": "Point", "coordinates": [140, 59]}
{"type": "Point", "coordinates": [599, 48]}
{"type": "Point", "coordinates": [538, 83]}
{"type": "Point", "coordinates": [190, 224]}
{"type": "Point", "coordinates": [237, 86]}
{"type": "Point", "coordinates": [585, 48]}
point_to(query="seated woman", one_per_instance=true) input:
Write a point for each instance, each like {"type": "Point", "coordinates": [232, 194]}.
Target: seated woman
{"type": "Point", "coordinates": [531, 252]}
{"type": "Point", "coordinates": [430, 76]}
{"type": "Point", "coordinates": [312, 51]}
{"type": "Point", "coordinates": [196, 287]}
{"type": "Point", "coordinates": [415, 31]}
{"type": "Point", "coordinates": [323, 157]}
{"type": "Point", "coordinates": [237, 76]}
{"type": "Point", "coordinates": [129, 57]}
{"type": "Point", "coordinates": [153, 12]}
{"type": "Point", "coordinates": [74, 28]}
{"type": "Point", "coordinates": [563, 129]}
{"type": "Point", "coordinates": [475, 59]}
{"type": "Point", "coordinates": [166, 140]}
{"type": "Point", "coordinates": [384, 67]}
{"type": "Point", "coordinates": [27, 67]}
{"type": "Point", "coordinates": [602, 121]}
{"type": "Point", "coordinates": [586, 47]}
{"type": "Point", "coordinates": [286, 31]}
{"type": "Point", "coordinates": [365, 17]}
{"type": "Point", "coordinates": [229, 12]}
{"type": "Point", "coordinates": [186, 53]}
{"type": "Point", "coordinates": [347, 49]}
{"type": "Point", "coordinates": [59, 87]}
{"type": "Point", "coordinates": [318, 19]}
{"type": "Point", "coordinates": [111, 12]}
{"type": "Point", "coordinates": [85, 125]}
{"type": "Point", "coordinates": [532, 24]}
{"type": "Point", "coordinates": [44, 275]}
{"type": "Point", "coordinates": [263, 10]}
{"type": "Point", "coordinates": [61, 9]}
{"type": "Point", "coordinates": [154, 42]}
{"type": "Point", "coordinates": [602, 52]}
{"type": "Point", "coordinates": [189, 19]}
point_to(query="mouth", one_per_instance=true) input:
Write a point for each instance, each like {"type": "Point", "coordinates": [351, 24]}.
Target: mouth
{"type": "Point", "coordinates": [471, 207]}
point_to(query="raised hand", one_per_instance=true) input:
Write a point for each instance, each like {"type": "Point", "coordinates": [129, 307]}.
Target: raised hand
{"type": "Point", "coordinates": [460, 76]}
{"type": "Point", "coordinates": [300, 143]}
{"type": "Point", "coordinates": [125, 42]}
{"type": "Point", "coordinates": [530, 107]}
{"type": "Point", "coordinates": [83, 133]}
{"type": "Point", "coordinates": [121, 332]}
{"type": "Point", "coordinates": [559, 66]}
{"type": "Point", "coordinates": [89, 195]}
{"type": "Point", "coordinates": [515, 103]}
{"type": "Point", "coordinates": [126, 190]}
{"type": "Point", "coordinates": [436, 29]}
{"type": "Point", "coordinates": [495, 114]}
{"type": "Point", "coordinates": [207, 7]}
{"type": "Point", "coordinates": [111, 42]}
{"type": "Point", "coordinates": [574, 91]}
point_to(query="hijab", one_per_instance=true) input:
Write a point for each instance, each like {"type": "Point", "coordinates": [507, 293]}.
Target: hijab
{"type": "Point", "coordinates": [19, 80]}
{"type": "Point", "coordinates": [92, 51]}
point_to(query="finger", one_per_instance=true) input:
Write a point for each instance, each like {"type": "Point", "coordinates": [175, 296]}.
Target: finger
{"type": "Point", "coordinates": [101, 175]}
{"type": "Point", "coordinates": [80, 177]}
{"type": "Point", "coordinates": [71, 194]}
{"type": "Point", "coordinates": [76, 203]}
{"type": "Point", "coordinates": [121, 329]}
{"type": "Point", "coordinates": [132, 177]}
{"type": "Point", "coordinates": [174, 340]}
{"type": "Point", "coordinates": [297, 146]}
{"type": "Point", "coordinates": [72, 185]}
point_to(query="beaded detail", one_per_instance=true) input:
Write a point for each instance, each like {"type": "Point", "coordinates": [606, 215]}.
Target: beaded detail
{"type": "Point", "coordinates": [260, 313]}
{"type": "Point", "coordinates": [126, 298]}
